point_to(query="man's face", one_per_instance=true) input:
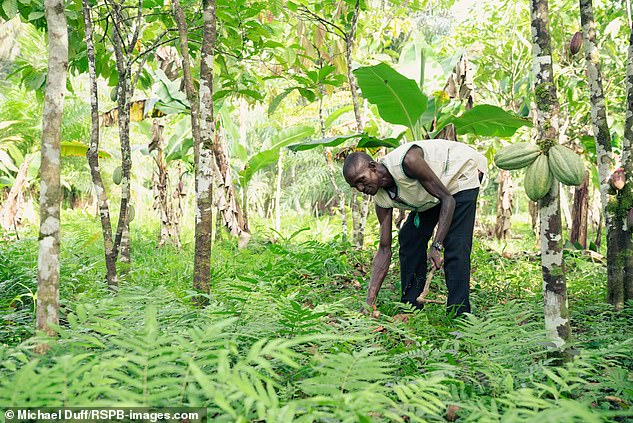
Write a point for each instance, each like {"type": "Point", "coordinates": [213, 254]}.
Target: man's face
{"type": "Point", "coordinates": [364, 179]}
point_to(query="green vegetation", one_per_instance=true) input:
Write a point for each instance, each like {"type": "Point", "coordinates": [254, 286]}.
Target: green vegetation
{"type": "Point", "coordinates": [281, 338]}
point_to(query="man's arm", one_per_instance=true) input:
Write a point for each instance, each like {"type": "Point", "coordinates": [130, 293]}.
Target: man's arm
{"type": "Point", "coordinates": [416, 167]}
{"type": "Point", "coordinates": [382, 259]}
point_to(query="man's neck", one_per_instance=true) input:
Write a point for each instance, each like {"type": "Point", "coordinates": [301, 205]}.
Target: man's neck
{"type": "Point", "coordinates": [386, 180]}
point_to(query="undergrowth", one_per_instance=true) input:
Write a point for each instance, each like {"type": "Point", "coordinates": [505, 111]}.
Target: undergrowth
{"type": "Point", "coordinates": [282, 340]}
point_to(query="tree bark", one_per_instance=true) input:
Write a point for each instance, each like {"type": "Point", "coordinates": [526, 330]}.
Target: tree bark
{"type": "Point", "coordinates": [125, 91]}
{"type": "Point", "coordinates": [627, 163]}
{"type": "Point", "coordinates": [349, 46]}
{"type": "Point", "coordinates": [278, 192]}
{"type": "Point", "coordinates": [616, 263]}
{"type": "Point", "coordinates": [204, 165]}
{"type": "Point", "coordinates": [50, 188]}
{"type": "Point", "coordinates": [163, 200]}
{"type": "Point", "coordinates": [580, 211]}
{"type": "Point", "coordinates": [340, 195]}
{"type": "Point", "coordinates": [93, 155]}
{"type": "Point", "coordinates": [228, 203]}
{"type": "Point", "coordinates": [503, 224]}
{"type": "Point", "coordinates": [363, 207]}
{"type": "Point", "coordinates": [554, 284]}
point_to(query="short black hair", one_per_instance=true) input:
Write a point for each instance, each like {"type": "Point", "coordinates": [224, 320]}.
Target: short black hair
{"type": "Point", "coordinates": [354, 160]}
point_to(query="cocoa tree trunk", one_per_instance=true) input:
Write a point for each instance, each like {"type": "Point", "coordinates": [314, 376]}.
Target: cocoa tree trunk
{"type": "Point", "coordinates": [204, 165]}
{"type": "Point", "coordinates": [278, 192]}
{"type": "Point", "coordinates": [50, 188]}
{"type": "Point", "coordinates": [616, 266]}
{"type": "Point", "coordinates": [627, 163]}
{"type": "Point", "coordinates": [125, 90]}
{"type": "Point", "coordinates": [340, 195]}
{"type": "Point", "coordinates": [228, 203]}
{"type": "Point", "coordinates": [93, 155]}
{"type": "Point", "coordinates": [504, 206]}
{"type": "Point", "coordinates": [534, 217]}
{"type": "Point", "coordinates": [554, 285]}
{"type": "Point", "coordinates": [580, 211]}
{"type": "Point", "coordinates": [363, 206]}
{"type": "Point", "coordinates": [163, 200]}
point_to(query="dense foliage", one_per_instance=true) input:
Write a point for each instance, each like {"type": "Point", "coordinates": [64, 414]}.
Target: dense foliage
{"type": "Point", "coordinates": [281, 339]}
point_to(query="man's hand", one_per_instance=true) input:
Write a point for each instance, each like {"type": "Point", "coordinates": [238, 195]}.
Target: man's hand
{"type": "Point", "coordinates": [435, 257]}
{"type": "Point", "coordinates": [368, 308]}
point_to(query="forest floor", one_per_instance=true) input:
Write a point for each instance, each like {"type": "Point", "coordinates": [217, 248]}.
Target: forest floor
{"type": "Point", "coordinates": [282, 338]}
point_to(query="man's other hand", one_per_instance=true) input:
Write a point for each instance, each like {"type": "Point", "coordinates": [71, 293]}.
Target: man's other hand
{"type": "Point", "coordinates": [435, 257]}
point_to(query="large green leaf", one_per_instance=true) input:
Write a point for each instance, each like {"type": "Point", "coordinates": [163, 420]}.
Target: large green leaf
{"type": "Point", "coordinates": [488, 121]}
{"type": "Point", "coordinates": [78, 149]}
{"type": "Point", "coordinates": [398, 98]}
{"type": "Point", "coordinates": [268, 157]}
{"type": "Point", "coordinates": [366, 141]}
{"type": "Point", "coordinates": [325, 142]}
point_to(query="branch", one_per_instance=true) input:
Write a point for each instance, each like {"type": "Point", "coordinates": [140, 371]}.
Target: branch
{"type": "Point", "coordinates": [310, 15]}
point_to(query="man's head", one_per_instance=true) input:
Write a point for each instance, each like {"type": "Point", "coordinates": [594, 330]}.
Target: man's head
{"type": "Point", "coordinates": [361, 172]}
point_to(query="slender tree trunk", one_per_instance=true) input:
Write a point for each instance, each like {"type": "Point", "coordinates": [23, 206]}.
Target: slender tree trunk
{"type": "Point", "coordinates": [340, 195]}
{"type": "Point", "coordinates": [163, 200]}
{"type": "Point", "coordinates": [580, 211]}
{"type": "Point", "coordinates": [278, 192]}
{"type": "Point", "coordinates": [627, 163]}
{"type": "Point", "coordinates": [50, 188]}
{"type": "Point", "coordinates": [504, 206]}
{"type": "Point", "coordinates": [124, 95]}
{"type": "Point", "coordinates": [93, 156]}
{"type": "Point", "coordinates": [204, 166]}
{"type": "Point", "coordinates": [364, 211]}
{"type": "Point", "coordinates": [534, 217]}
{"type": "Point", "coordinates": [363, 207]}
{"type": "Point", "coordinates": [554, 285]}
{"type": "Point", "coordinates": [190, 90]}
{"type": "Point", "coordinates": [616, 263]}
{"type": "Point", "coordinates": [349, 46]}
{"type": "Point", "coordinates": [229, 205]}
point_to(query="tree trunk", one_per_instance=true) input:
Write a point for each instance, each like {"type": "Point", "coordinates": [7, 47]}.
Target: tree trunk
{"type": "Point", "coordinates": [504, 206]}
{"type": "Point", "coordinates": [50, 188]}
{"type": "Point", "coordinates": [340, 195]}
{"type": "Point", "coordinates": [204, 166]}
{"type": "Point", "coordinates": [554, 285]}
{"type": "Point", "coordinates": [125, 241]}
{"type": "Point", "coordinates": [163, 200]}
{"type": "Point", "coordinates": [124, 95]}
{"type": "Point", "coordinates": [580, 210]}
{"type": "Point", "coordinates": [627, 163]}
{"type": "Point", "coordinates": [278, 192]}
{"type": "Point", "coordinates": [349, 46]}
{"type": "Point", "coordinates": [93, 156]}
{"type": "Point", "coordinates": [566, 217]}
{"type": "Point", "coordinates": [228, 203]}
{"type": "Point", "coordinates": [616, 264]}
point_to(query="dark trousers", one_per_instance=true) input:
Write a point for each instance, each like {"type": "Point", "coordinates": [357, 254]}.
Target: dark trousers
{"type": "Point", "coordinates": [414, 243]}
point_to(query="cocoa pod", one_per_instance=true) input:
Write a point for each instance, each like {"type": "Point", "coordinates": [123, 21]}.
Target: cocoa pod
{"type": "Point", "coordinates": [629, 219]}
{"type": "Point", "coordinates": [617, 179]}
{"type": "Point", "coordinates": [576, 43]}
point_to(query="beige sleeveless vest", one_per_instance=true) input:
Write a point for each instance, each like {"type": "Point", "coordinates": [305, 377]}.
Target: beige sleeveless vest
{"type": "Point", "coordinates": [456, 164]}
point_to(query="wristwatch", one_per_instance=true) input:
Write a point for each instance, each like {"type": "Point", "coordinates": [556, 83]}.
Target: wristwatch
{"type": "Point", "coordinates": [438, 246]}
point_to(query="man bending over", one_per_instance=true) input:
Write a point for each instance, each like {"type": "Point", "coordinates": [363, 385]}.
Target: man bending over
{"type": "Point", "coordinates": [438, 181]}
